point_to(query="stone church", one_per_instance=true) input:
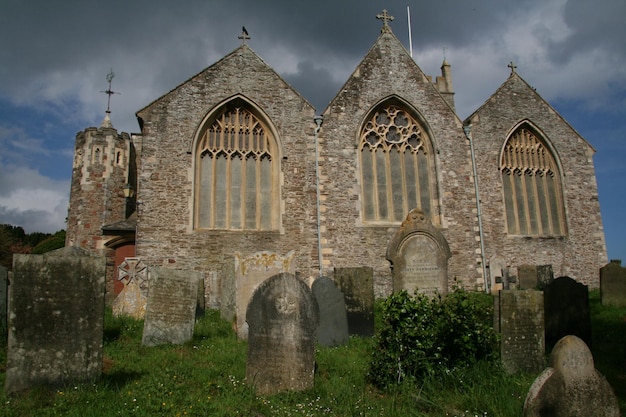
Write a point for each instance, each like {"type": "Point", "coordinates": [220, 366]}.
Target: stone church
{"type": "Point", "coordinates": [234, 161]}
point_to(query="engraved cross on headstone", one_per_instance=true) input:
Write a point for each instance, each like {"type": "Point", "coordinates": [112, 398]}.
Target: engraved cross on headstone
{"type": "Point", "coordinates": [244, 35]}
{"type": "Point", "coordinates": [386, 18]}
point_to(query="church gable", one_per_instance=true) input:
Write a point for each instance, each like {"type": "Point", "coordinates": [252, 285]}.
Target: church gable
{"type": "Point", "coordinates": [241, 72]}
{"type": "Point", "coordinates": [537, 184]}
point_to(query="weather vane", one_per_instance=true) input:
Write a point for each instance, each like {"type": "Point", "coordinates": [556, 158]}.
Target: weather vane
{"type": "Point", "coordinates": [108, 91]}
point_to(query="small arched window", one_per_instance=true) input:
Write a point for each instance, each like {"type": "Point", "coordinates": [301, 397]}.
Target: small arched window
{"type": "Point", "coordinates": [397, 166]}
{"type": "Point", "coordinates": [532, 186]}
{"type": "Point", "coordinates": [236, 172]}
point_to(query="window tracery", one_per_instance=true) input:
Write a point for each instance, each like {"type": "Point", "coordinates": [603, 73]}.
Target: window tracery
{"type": "Point", "coordinates": [236, 171]}
{"type": "Point", "coordinates": [532, 186]}
{"type": "Point", "coordinates": [397, 167]}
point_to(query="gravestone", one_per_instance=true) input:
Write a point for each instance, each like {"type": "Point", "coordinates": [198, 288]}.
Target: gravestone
{"type": "Point", "coordinates": [250, 272]}
{"type": "Point", "coordinates": [522, 344]}
{"type": "Point", "coordinates": [566, 304]}
{"type": "Point", "coordinates": [171, 306]}
{"type": "Point", "coordinates": [56, 317]}
{"type": "Point", "coordinates": [333, 328]}
{"type": "Point", "coordinates": [613, 284]}
{"type": "Point", "coordinates": [419, 255]}
{"type": "Point", "coordinates": [357, 286]}
{"type": "Point", "coordinates": [534, 276]}
{"type": "Point", "coordinates": [571, 386]}
{"type": "Point", "coordinates": [131, 301]}
{"type": "Point", "coordinates": [4, 294]}
{"type": "Point", "coordinates": [282, 317]}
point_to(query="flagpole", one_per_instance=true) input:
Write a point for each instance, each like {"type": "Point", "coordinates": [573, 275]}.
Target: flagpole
{"type": "Point", "coordinates": [408, 15]}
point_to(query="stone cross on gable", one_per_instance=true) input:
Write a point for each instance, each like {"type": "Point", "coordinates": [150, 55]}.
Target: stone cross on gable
{"type": "Point", "coordinates": [244, 35]}
{"type": "Point", "coordinates": [386, 18]}
{"type": "Point", "coordinates": [512, 66]}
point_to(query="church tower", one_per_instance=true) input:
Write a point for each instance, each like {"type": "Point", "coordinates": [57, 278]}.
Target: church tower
{"type": "Point", "coordinates": [100, 174]}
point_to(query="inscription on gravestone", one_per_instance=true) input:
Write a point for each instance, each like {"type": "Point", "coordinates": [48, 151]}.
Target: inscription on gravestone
{"type": "Point", "coordinates": [56, 319]}
{"type": "Point", "coordinates": [613, 284]}
{"type": "Point", "coordinates": [522, 345]}
{"type": "Point", "coordinates": [357, 285]}
{"type": "Point", "coordinates": [171, 306]}
{"type": "Point", "coordinates": [282, 318]}
{"type": "Point", "coordinates": [419, 255]}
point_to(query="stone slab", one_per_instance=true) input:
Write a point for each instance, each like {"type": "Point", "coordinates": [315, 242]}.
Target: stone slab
{"type": "Point", "coordinates": [522, 345]}
{"type": "Point", "coordinates": [333, 328]}
{"type": "Point", "coordinates": [357, 285]}
{"type": "Point", "coordinates": [282, 317]}
{"type": "Point", "coordinates": [566, 304]}
{"type": "Point", "coordinates": [171, 306]}
{"type": "Point", "coordinates": [56, 319]}
{"type": "Point", "coordinates": [250, 272]}
{"type": "Point", "coordinates": [613, 284]}
{"type": "Point", "coordinates": [4, 300]}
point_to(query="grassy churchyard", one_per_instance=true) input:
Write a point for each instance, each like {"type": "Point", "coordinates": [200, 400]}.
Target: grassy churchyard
{"type": "Point", "coordinates": [206, 377]}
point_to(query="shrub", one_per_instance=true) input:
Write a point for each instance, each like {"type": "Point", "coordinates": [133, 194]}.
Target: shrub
{"type": "Point", "coordinates": [418, 335]}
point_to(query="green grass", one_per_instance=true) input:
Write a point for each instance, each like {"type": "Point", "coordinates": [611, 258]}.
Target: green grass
{"type": "Point", "coordinates": [206, 377]}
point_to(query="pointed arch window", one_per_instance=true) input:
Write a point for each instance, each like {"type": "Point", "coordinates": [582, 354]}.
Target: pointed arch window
{"type": "Point", "coordinates": [532, 186]}
{"type": "Point", "coordinates": [236, 172]}
{"type": "Point", "coordinates": [397, 166]}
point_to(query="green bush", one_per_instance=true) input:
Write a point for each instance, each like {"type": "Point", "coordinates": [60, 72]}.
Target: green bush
{"type": "Point", "coordinates": [418, 335]}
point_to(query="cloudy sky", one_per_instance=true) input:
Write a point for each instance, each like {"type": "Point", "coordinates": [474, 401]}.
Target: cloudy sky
{"type": "Point", "coordinates": [55, 55]}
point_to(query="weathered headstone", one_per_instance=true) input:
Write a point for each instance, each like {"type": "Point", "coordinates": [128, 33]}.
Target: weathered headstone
{"type": "Point", "coordinates": [250, 272]}
{"type": "Point", "coordinates": [131, 301]}
{"type": "Point", "coordinates": [566, 304]}
{"type": "Point", "coordinates": [56, 319]}
{"type": "Point", "coordinates": [613, 284]}
{"type": "Point", "coordinates": [282, 317]}
{"type": "Point", "coordinates": [534, 276]}
{"type": "Point", "coordinates": [522, 345]}
{"type": "Point", "coordinates": [333, 328]}
{"type": "Point", "coordinates": [419, 255]}
{"type": "Point", "coordinates": [171, 306]}
{"type": "Point", "coordinates": [571, 386]}
{"type": "Point", "coordinates": [357, 286]}
{"type": "Point", "coordinates": [4, 294]}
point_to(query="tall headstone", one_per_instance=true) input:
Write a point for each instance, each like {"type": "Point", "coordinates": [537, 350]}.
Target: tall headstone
{"type": "Point", "coordinates": [566, 304]}
{"type": "Point", "coordinates": [282, 317]}
{"type": "Point", "coordinates": [333, 328]}
{"type": "Point", "coordinates": [613, 284]}
{"type": "Point", "coordinates": [571, 386]}
{"type": "Point", "coordinates": [522, 345]}
{"type": "Point", "coordinates": [56, 319]}
{"type": "Point", "coordinates": [4, 294]}
{"type": "Point", "coordinates": [171, 306]}
{"type": "Point", "coordinates": [357, 285]}
{"type": "Point", "coordinates": [419, 255]}
{"type": "Point", "coordinates": [131, 301]}
{"type": "Point", "coordinates": [250, 272]}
